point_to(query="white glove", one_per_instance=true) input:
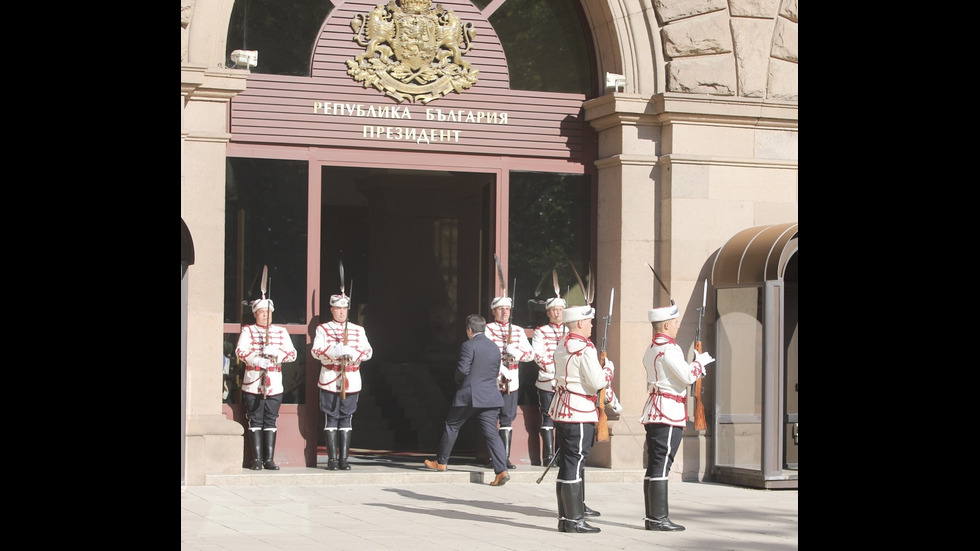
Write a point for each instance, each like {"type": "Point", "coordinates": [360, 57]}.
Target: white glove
{"type": "Point", "coordinates": [616, 406]}
{"type": "Point", "coordinates": [335, 351]}
{"type": "Point", "coordinates": [703, 358]}
{"type": "Point", "coordinates": [263, 363]}
{"type": "Point", "coordinates": [351, 352]}
{"type": "Point", "coordinates": [271, 351]}
{"type": "Point", "coordinates": [514, 351]}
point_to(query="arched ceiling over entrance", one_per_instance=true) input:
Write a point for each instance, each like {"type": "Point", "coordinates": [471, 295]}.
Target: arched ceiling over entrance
{"type": "Point", "coordinates": [626, 37]}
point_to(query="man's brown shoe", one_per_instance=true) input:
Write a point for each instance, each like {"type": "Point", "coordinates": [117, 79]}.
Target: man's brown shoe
{"type": "Point", "coordinates": [501, 479]}
{"type": "Point", "coordinates": [434, 465]}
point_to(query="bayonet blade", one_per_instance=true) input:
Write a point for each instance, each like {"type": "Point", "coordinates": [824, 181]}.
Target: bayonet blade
{"type": "Point", "coordinates": [554, 279]}
{"type": "Point", "coordinates": [342, 291]}
{"type": "Point", "coordinates": [500, 275]}
{"type": "Point", "coordinates": [591, 286]}
{"type": "Point", "coordinates": [704, 299]}
{"type": "Point", "coordinates": [612, 296]}
{"type": "Point", "coordinates": [264, 282]}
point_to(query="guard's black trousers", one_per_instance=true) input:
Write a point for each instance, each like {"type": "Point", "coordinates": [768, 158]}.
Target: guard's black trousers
{"type": "Point", "coordinates": [662, 442]}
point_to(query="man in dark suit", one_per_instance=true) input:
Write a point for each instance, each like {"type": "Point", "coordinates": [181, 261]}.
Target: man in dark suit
{"type": "Point", "coordinates": [476, 375]}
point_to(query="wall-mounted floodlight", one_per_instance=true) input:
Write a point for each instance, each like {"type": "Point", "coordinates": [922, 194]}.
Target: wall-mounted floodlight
{"type": "Point", "coordinates": [615, 81]}
{"type": "Point", "coordinates": [248, 58]}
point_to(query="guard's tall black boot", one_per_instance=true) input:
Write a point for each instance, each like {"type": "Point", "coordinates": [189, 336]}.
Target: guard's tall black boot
{"type": "Point", "coordinates": [547, 446]}
{"type": "Point", "coordinates": [573, 519]}
{"type": "Point", "coordinates": [344, 448]}
{"type": "Point", "coordinates": [655, 499]}
{"type": "Point", "coordinates": [331, 440]}
{"type": "Point", "coordinates": [269, 450]}
{"type": "Point", "coordinates": [505, 436]}
{"type": "Point", "coordinates": [256, 441]}
{"type": "Point", "coordinates": [588, 512]}
{"type": "Point", "coordinates": [561, 506]}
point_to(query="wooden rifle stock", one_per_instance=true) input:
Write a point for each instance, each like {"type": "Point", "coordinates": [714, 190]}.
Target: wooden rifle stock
{"type": "Point", "coordinates": [602, 428]}
{"type": "Point", "coordinates": [700, 423]}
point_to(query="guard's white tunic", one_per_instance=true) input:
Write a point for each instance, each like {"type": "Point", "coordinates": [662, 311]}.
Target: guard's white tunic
{"type": "Point", "coordinates": [578, 380]}
{"type": "Point", "coordinates": [251, 342]}
{"type": "Point", "coordinates": [332, 333]}
{"type": "Point", "coordinates": [668, 376]}
{"type": "Point", "coordinates": [544, 341]}
{"type": "Point", "coordinates": [502, 335]}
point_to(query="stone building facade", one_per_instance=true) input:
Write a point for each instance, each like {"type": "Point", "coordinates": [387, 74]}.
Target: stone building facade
{"type": "Point", "coordinates": [699, 143]}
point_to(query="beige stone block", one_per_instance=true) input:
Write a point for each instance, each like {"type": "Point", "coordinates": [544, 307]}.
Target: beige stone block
{"type": "Point", "coordinates": [753, 8]}
{"type": "Point", "coordinates": [790, 9]}
{"type": "Point", "coordinates": [713, 141]}
{"type": "Point", "coordinates": [776, 213]}
{"type": "Point", "coordinates": [689, 180]}
{"type": "Point", "coordinates": [712, 75]}
{"type": "Point", "coordinates": [718, 217]}
{"type": "Point", "coordinates": [784, 80]}
{"type": "Point", "coordinates": [703, 35]}
{"type": "Point", "coordinates": [786, 41]}
{"type": "Point", "coordinates": [752, 38]}
{"type": "Point", "coordinates": [670, 10]}
{"type": "Point", "coordinates": [691, 254]}
{"type": "Point", "coordinates": [748, 183]}
{"type": "Point", "coordinates": [777, 144]}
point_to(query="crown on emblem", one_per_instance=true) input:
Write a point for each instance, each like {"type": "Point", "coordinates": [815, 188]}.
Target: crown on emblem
{"type": "Point", "coordinates": [416, 5]}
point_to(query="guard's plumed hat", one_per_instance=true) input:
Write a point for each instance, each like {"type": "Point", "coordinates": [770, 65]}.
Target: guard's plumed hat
{"type": "Point", "coordinates": [504, 302]}
{"type": "Point", "coordinates": [662, 314]}
{"type": "Point", "coordinates": [263, 303]}
{"type": "Point", "coordinates": [556, 302]}
{"type": "Point", "coordinates": [340, 301]}
{"type": "Point", "coordinates": [577, 313]}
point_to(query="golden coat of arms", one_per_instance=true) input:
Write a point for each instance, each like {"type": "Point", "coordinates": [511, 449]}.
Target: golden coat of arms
{"type": "Point", "coordinates": [412, 51]}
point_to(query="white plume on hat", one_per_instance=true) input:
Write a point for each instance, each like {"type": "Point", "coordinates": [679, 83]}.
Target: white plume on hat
{"type": "Point", "coordinates": [263, 303]}
{"type": "Point", "coordinates": [577, 313]}
{"type": "Point", "coordinates": [555, 302]}
{"type": "Point", "coordinates": [341, 301]}
{"type": "Point", "coordinates": [662, 314]}
{"type": "Point", "coordinates": [498, 302]}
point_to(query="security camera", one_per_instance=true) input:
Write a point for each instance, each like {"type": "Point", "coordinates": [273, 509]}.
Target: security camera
{"type": "Point", "coordinates": [248, 58]}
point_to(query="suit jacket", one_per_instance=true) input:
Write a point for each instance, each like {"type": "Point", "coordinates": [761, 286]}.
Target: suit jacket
{"type": "Point", "coordinates": [476, 373]}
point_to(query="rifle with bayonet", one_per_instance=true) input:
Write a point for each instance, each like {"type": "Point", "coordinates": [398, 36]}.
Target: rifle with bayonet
{"type": "Point", "coordinates": [343, 357]}
{"type": "Point", "coordinates": [700, 423]}
{"type": "Point", "coordinates": [264, 287]}
{"type": "Point", "coordinates": [602, 430]}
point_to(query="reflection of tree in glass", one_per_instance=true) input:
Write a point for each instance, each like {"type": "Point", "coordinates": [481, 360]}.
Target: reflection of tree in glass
{"type": "Point", "coordinates": [549, 221]}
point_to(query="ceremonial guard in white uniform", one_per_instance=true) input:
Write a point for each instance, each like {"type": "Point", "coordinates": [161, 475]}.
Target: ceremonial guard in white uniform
{"type": "Point", "coordinates": [665, 412]}
{"type": "Point", "coordinates": [578, 380]}
{"type": "Point", "coordinates": [264, 348]}
{"type": "Point", "coordinates": [544, 341]}
{"type": "Point", "coordinates": [340, 346]}
{"type": "Point", "coordinates": [514, 349]}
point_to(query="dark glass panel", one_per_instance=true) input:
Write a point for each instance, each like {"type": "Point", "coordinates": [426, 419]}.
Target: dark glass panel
{"type": "Point", "coordinates": [544, 41]}
{"type": "Point", "coordinates": [282, 31]}
{"type": "Point", "coordinates": [550, 219]}
{"type": "Point", "coordinates": [265, 224]}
